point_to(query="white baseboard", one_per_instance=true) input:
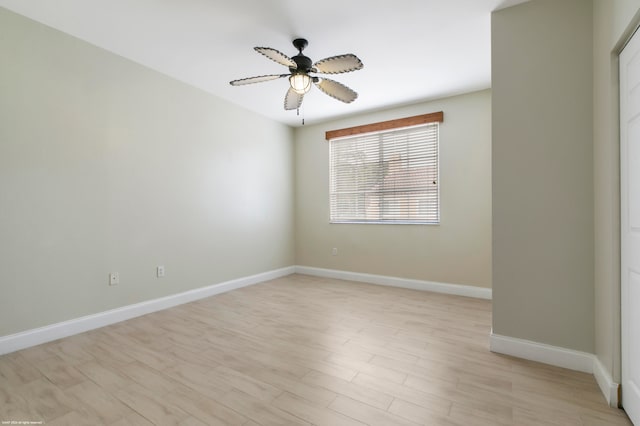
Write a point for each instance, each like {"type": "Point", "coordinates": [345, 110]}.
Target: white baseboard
{"type": "Point", "coordinates": [37, 336]}
{"type": "Point", "coordinates": [540, 352]}
{"type": "Point", "coordinates": [25, 339]}
{"type": "Point", "coordinates": [559, 357]}
{"type": "Point", "coordinates": [456, 289]}
{"type": "Point", "coordinates": [608, 387]}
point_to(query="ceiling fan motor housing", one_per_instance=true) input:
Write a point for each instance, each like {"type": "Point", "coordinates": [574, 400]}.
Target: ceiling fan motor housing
{"type": "Point", "coordinates": [304, 63]}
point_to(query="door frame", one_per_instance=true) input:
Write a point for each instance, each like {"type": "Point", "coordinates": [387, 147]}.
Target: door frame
{"type": "Point", "coordinates": [632, 30]}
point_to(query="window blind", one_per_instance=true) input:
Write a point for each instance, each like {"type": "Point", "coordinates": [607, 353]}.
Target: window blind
{"type": "Point", "coordinates": [385, 177]}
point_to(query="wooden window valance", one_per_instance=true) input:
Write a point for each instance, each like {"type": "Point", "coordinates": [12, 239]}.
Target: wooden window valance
{"type": "Point", "coordinates": [386, 125]}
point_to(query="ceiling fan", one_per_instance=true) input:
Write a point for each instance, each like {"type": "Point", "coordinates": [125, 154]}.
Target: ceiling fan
{"type": "Point", "coordinates": [300, 67]}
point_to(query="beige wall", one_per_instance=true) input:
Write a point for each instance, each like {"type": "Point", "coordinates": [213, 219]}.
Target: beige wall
{"type": "Point", "coordinates": [108, 166]}
{"type": "Point", "coordinates": [456, 251]}
{"type": "Point", "coordinates": [542, 173]}
{"type": "Point", "coordinates": [613, 22]}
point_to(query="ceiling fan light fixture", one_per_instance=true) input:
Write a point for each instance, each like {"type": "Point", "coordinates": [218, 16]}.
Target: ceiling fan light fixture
{"type": "Point", "coordinates": [300, 83]}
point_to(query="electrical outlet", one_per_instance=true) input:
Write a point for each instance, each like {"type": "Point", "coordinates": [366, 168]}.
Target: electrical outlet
{"type": "Point", "coordinates": [114, 278]}
{"type": "Point", "coordinates": [160, 271]}
{"type": "Point", "coordinates": [334, 252]}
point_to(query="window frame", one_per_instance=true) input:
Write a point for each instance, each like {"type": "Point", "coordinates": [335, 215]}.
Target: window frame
{"type": "Point", "coordinates": [382, 128]}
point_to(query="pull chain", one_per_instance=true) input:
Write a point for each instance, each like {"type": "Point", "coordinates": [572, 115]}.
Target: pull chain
{"type": "Point", "coordinates": [298, 114]}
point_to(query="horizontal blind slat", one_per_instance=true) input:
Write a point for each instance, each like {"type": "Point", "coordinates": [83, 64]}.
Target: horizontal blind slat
{"type": "Point", "coordinates": [390, 176]}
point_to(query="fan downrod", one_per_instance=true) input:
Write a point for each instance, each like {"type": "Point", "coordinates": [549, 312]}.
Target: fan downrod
{"type": "Point", "coordinates": [300, 44]}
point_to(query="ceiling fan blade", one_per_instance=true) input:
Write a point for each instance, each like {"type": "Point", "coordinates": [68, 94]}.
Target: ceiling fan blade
{"type": "Point", "coordinates": [258, 79]}
{"type": "Point", "coordinates": [292, 100]}
{"type": "Point", "coordinates": [337, 90]}
{"type": "Point", "coordinates": [276, 56]}
{"type": "Point", "coordinates": [339, 64]}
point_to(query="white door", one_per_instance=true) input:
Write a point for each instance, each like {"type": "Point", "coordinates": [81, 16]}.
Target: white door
{"type": "Point", "coordinates": [630, 225]}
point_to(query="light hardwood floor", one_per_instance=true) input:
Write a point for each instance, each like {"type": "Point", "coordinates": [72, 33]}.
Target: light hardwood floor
{"type": "Point", "coordinates": [296, 351]}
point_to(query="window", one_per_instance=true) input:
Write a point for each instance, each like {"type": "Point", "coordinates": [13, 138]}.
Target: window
{"type": "Point", "coordinates": [388, 175]}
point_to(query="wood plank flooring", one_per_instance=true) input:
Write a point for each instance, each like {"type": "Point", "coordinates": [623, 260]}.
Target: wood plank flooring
{"type": "Point", "coordinates": [298, 350]}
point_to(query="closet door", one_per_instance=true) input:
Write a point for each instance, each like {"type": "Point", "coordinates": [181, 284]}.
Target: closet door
{"type": "Point", "coordinates": [630, 225]}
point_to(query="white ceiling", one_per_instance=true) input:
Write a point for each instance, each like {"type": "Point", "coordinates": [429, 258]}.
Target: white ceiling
{"type": "Point", "coordinates": [411, 49]}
